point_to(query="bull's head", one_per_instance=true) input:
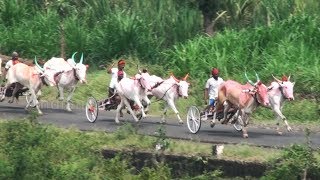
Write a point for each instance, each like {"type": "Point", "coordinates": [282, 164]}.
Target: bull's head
{"type": "Point", "coordinates": [183, 85]}
{"type": "Point", "coordinates": [80, 68]}
{"type": "Point", "coordinates": [144, 80]}
{"type": "Point", "coordinates": [286, 87]}
{"type": "Point", "coordinates": [47, 75]}
{"type": "Point", "coordinates": [260, 89]}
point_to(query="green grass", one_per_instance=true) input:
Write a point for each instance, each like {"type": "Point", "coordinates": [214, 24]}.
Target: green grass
{"type": "Point", "coordinates": [126, 138]}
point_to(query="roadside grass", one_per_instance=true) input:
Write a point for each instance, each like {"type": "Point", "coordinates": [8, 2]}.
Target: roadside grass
{"type": "Point", "coordinates": [126, 138]}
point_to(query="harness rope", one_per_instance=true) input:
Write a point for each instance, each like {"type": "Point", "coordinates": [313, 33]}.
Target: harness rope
{"type": "Point", "coordinates": [167, 91]}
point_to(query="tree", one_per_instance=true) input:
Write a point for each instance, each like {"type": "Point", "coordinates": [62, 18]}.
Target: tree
{"type": "Point", "coordinates": [209, 9]}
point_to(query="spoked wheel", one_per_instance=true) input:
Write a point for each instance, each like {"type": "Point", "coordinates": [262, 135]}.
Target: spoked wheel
{"type": "Point", "coordinates": [238, 124]}
{"type": "Point", "coordinates": [193, 119]}
{"type": "Point", "coordinates": [92, 109]}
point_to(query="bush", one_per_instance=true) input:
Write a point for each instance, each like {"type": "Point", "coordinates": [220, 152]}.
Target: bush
{"type": "Point", "coordinates": [297, 162]}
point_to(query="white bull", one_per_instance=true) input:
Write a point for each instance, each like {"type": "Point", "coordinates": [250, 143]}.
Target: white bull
{"type": "Point", "coordinates": [170, 90]}
{"type": "Point", "coordinates": [66, 75]}
{"type": "Point", "coordinates": [279, 92]}
{"type": "Point", "coordinates": [30, 77]}
{"type": "Point", "coordinates": [135, 90]}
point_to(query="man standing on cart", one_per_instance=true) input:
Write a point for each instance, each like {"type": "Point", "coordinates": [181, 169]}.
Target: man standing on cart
{"type": "Point", "coordinates": [114, 76]}
{"type": "Point", "coordinates": [211, 91]}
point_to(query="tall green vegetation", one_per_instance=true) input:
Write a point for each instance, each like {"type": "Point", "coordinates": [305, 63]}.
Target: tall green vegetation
{"type": "Point", "coordinates": [287, 47]}
{"type": "Point", "coordinates": [101, 29]}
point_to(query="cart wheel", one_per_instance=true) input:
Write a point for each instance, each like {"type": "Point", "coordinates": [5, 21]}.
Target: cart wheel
{"type": "Point", "coordinates": [238, 124]}
{"type": "Point", "coordinates": [193, 119]}
{"type": "Point", "coordinates": [92, 109]}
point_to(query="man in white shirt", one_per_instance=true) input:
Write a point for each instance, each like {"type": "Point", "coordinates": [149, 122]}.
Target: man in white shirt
{"type": "Point", "coordinates": [14, 60]}
{"type": "Point", "coordinates": [211, 91]}
{"type": "Point", "coordinates": [114, 76]}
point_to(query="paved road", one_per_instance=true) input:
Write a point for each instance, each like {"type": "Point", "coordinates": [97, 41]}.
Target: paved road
{"type": "Point", "coordinates": [105, 122]}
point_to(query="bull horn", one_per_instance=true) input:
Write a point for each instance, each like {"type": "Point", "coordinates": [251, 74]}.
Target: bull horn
{"type": "Point", "coordinates": [139, 71]}
{"type": "Point", "coordinates": [289, 78]}
{"type": "Point", "coordinates": [276, 79]}
{"type": "Point", "coordinates": [248, 79]}
{"type": "Point", "coordinates": [73, 55]}
{"type": "Point", "coordinates": [258, 79]}
{"type": "Point", "coordinates": [177, 80]}
{"type": "Point", "coordinates": [81, 59]}
{"type": "Point", "coordinates": [36, 62]}
{"type": "Point", "coordinates": [185, 78]}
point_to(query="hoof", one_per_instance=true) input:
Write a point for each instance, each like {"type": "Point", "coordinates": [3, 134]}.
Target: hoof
{"type": "Point", "coordinates": [212, 124]}
{"type": "Point", "coordinates": [280, 133]}
{"type": "Point", "coordinates": [10, 101]}
{"type": "Point", "coordinates": [121, 114]}
{"type": "Point", "coordinates": [163, 122]}
{"type": "Point", "coordinates": [289, 129]}
{"type": "Point", "coordinates": [117, 122]}
{"type": "Point", "coordinates": [40, 113]}
{"type": "Point", "coordinates": [60, 99]}
{"type": "Point", "coordinates": [69, 110]}
{"type": "Point", "coordinates": [181, 122]}
{"type": "Point", "coordinates": [245, 136]}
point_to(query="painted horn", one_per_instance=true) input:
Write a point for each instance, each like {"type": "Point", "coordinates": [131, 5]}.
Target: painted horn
{"type": "Point", "coordinates": [73, 55]}
{"type": "Point", "coordinates": [185, 78]}
{"type": "Point", "coordinates": [276, 79]}
{"type": "Point", "coordinates": [81, 59]}
{"type": "Point", "coordinates": [36, 62]}
{"type": "Point", "coordinates": [248, 79]}
{"type": "Point", "coordinates": [258, 79]}
{"type": "Point", "coordinates": [139, 71]}
{"type": "Point", "coordinates": [175, 78]}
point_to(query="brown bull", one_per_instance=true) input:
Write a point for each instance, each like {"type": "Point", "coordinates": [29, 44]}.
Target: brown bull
{"type": "Point", "coordinates": [243, 97]}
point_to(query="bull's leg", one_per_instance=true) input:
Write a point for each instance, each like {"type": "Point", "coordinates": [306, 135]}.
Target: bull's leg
{"type": "Point", "coordinates": [138, 102]}
{"type": "Point", "coordinates": [215, 110]}
{"type": "Point", "coordinates": [17, 87]}
{"type": "Point", "coordinates": [34, 100]}
{"type": "Point", "coordinates": [226, 106]}
{"type": "Point", "coordinates": [244, 118]}
{"type": "Point", "coordinates": [127, 103]}
{"type": "Point", "coordinates": [163, 119]}
{"type": "Point", "coordinates": [119, 108]}
{"type": "Point", "coordinates": [284, 119]}
{"type": "Point", "coordinates": [69, 98]}
{"type": "Point", "coordinates": [279, 116]}
{"type": "Point", "coordinates": [173, 107]}
{"type": "Point", "coordinates": [148, 102]}
{"type": "Point", "coordinates": [7, 86]}
{"type": "Point", "coordinates": [60, 93]}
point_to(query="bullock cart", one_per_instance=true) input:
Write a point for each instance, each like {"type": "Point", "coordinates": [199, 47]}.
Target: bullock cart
{"type": "Point", "coordinates": [110, 103]}
{"type": "Point", "coordinates": [21, 92]}
{"type": "Point", "coordinates": [195, 117]}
